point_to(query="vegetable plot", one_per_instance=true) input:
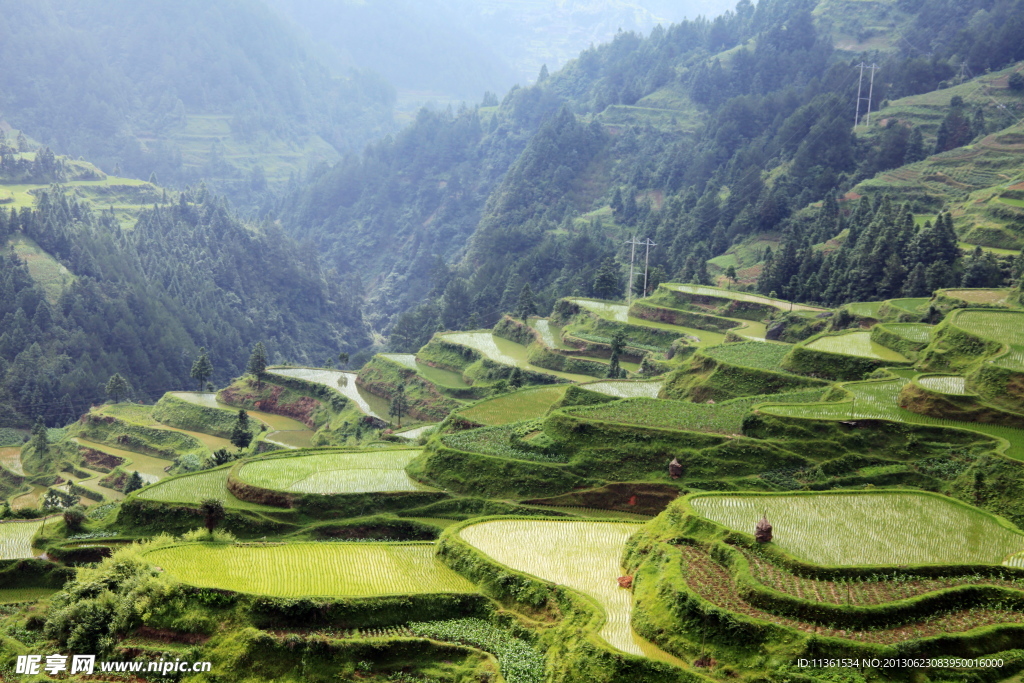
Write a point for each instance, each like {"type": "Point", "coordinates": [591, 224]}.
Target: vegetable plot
{"type": "Point", "coordinates": [880, 528]}
{"type": "Point", "coordinates": [312, 569]}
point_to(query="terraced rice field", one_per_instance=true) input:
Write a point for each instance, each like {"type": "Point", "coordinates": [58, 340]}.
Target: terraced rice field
{"type": "Point", "coordinates": [620, 313]}
{"type": "Point", "coordinates": [287, 432]}
{"type": "Point", "coordinates": [720, 418]}
{"type": "Point", "coordinates": [584, 556]}
{"type": "Point", "coordinates": [10, 457]}
{"type": "Point", "coordinates": [525, 404]}
{"type": "Point", "coordinates": [16, 538]}
{"type": "Point", "coordinates": [1005, 327]}
{"type": "Point", "coordinates": [913, 305]}
{"type": "Point", "coordinates": [342, 382]}
{"type": "Point", "coordinates": [762, 356]}
{"type": "Point", "coordinates": [507, 352]}
{"type": "Point", "coordinates": [149, 468]}
{"type": "Point", "coordinates": [981, 296]}
{"type": "Point", "coordinates": [441, 377]}
{"type": "Point", "coordinates": [550, 333]}
{"type": "Point", "coordinates": [312, 569]}
{"type": "Point", "coordinates": [30, 499]}
{"type": "Point", "coordinates": [865, 309]}
{"type": "Point", "coordinates": [915, 332]}
{"type": "Point", "coordinates": [334, 472]}
{"type": "Point", "coordinates": [945, 384]}
{"type": "Point", "coordinates": [856, 344]}
{"type": "Point", "coordinates": [142, 415]}
{"type": "Point", "coordinates": [626, 388]}
{"type": "Point", "coordinates": [879, 528]}
{"type": "Point", "coordinates": [406, 359]}
{"type": "Point", "coordinates": [878, 401]}
{"type": "Point", "coordinates": [416, 432]}
{"type": "Point", "coordinates": [195, 488]}
{"type": "Point", "coordinates": [701, 290]}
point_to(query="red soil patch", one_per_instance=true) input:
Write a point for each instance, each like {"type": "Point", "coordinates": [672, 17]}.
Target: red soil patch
{"type": "Point", "coordinates": [98, 460]}
{"type": "Point", "coordinates": [302, 409]}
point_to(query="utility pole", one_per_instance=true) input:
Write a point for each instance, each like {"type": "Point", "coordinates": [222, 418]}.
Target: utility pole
{"type": "Point", "coordinates": [632, 252]}
{"type": "Point", "coordinates": [963, 73]}
{"type": "Point", "coordinates": [871, 90]}
{"type": "Point", "coordinates": [648, 243]}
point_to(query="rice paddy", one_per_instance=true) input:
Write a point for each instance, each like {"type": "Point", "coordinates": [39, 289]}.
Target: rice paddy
{"type": "Point", "coordinates": [1005, 327]}
{"type": "Point", "coordinates": [525, 404]}
{"type": "Point", "coordinates": [16, 538]}
{"type": "Point", "coordinates": [286, 432]}
{"type": "Point", "coordinates": [762, 356]}
{"type": "Point", "coordinates": [334, 472]}
{"type": "Point", "coordinates": [406, 359]}
{"type": "Point", "coordinates": [312, 569]}
{"type": "Point", "coordinates": [626, 388]}
{"type": "Point", "coordinates": [342, 382]}
{"type": "Point", "coordinates": [856, 344]}
{"type": "Point", "coordinates": [501, 350]}
{"type": "Point", "coordinates": [550, 333]}
{"type": "Point", "coordinates": [945, 384]}
{"type": "Point", "coordinates": [193, 489]}
{"type": "Point", "coordinates": [702, 290]}
{"type": "Point", "coordinates": [417, 432]}
{"type": "Point", "coordinates": [720, 418]}
{"type": "Point", "coordinates": [980, 296]}
{"type": "Point", "coordinates": [10, 457]}
{"type": "Point", "coordinates": [865, 309]}
{"type": "Point", "coordinates": [879, 401]}
{"type": "Point", "coordinates": [150, 468]}
{"type": "Point", "coordinates": [914, 305]}
{"type": "Point", "coordinates": [877, 528]}
{"type": "Point", "coordinates": [620, 313]}
{"type": "Point", "coordinates": [915, 332]}
{"type": "Point", "coordinates": [584, 556]}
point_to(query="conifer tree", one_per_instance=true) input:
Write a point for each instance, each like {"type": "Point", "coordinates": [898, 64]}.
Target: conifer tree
{"type": "Point", "coordinates": [202, 368]}
{"type": "Point", "coordinates": [117, 387]}
{"type": "Point", "coordinates": [526, 306]}
{"type": "Point", "coordinates": [241, 433]}
{"type": "Point", "coordinates": [257, 365]}
{"type": "Point", "coordinates": [399, 404]}
{"type": "Point", "coordinates": [134, 482]}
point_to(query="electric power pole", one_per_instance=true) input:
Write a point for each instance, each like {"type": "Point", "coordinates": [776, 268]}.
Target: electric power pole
{"type": "Point", "coordinates": [871, 90]}
{"type": "Point", "coordinates": [629, 286]}
{"type": "Point", "coordinates": [648, 243]}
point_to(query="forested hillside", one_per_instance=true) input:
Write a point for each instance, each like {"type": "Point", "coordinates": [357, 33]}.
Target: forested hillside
{"type": "Point", "coordinates": [221, 90]}
{"type": "Point", "coordinates": [141, 301]}
{"type": "Point", "coordinates": [707, 136]}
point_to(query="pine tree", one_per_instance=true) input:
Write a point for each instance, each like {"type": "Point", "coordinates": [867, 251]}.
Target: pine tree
{"type": "Point", "coordinates": [526, 306]}
{"type": "Point", "coordinates": [134, 483]}
{"type": "Point", "coordinates": [257, 365]}
{"type": "Point", "coordinates": [515, 379]}
{"type": "Point", "coordinates": [399, 404]}
{"type": "Point", "coordinates": [618, 343]}
{"type": "Point", "coordinates": [241, 433]}
{"type": "Point", "coordinates": [117, 387]}
{"type": "Point", "coordinates": [916, 284]}
{"type": "Point", "coordinates": [213, 513]}
{"type": "Point", "coordinates": [607, 282]}
{"type": "Point", "coordinates": [202, 368]}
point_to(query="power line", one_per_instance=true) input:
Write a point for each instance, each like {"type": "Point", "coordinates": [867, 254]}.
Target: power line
{"type": "Point", "coordinates": [871, 90]}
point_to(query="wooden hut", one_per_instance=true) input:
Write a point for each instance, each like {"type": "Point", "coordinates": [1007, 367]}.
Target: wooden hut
{"type": "Point", "coordinates": [763, 530]}
{"type": "Point", "coordinates": [675, 468]}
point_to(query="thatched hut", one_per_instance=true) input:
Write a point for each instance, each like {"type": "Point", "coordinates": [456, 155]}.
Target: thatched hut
{"type": "Point", "coordinates": [763, 530]}
{"type": "Point", "coordinates": [675, 468]}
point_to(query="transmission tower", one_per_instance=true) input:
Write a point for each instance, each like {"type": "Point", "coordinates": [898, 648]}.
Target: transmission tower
{"type": "Point", "coordinates": [632, 253]}
{"type": "Point", "coordinates": [860, 88]}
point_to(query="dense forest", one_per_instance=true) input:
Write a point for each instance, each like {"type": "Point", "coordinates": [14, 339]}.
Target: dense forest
{"type": "Point", "coordinates": [467, 206]}
{"type": "Point", "coordinates": [132, 87]}
{"type": "Point", "coordinates": [143, 301]}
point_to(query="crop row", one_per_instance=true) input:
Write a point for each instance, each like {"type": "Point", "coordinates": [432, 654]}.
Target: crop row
{"type": "Point", "coordinates": [884, 528]}
{"type": "Point", "coordinates": [585, 556]}
{"type": "Point", "coordinates": [520, 661]}
{"type": "Point", "coordinates": [311, 569]}
{"type": "Point", "coordinates": [16, 538]}
{"type": "Point", "coordinates": [626, 388]}
{"type": "Point", "coordinates": [758, 355]}
{"type": "Point", "coordinates": [945, 384]}
{"type": "Point", "coordinates": [721, 418]}
{"type": "Point", "coordinates": [334, 472]}
{"type": "Point", "coordinates": [498, 441]}
{"type": "Point", "coordinates": [526, 404]}
{"type": "Point", "coordinates": [710, 581]}
{"type": "Point", "coordinates": [195, 488]}
{"type": "Point", "coordinates": [855, 344]}
{"type": "Point", "coordinates": [879, 401]}
{"type": "Point", "coordinates": [915, 332]}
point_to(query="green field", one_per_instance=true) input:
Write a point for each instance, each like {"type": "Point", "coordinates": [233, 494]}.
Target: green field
{"type": "Point", "coordinates": [286, 432]}
{"type": "Point", "coordinates": [497, 441]}
{"type": "Point", "coordinates": [195, 488]}
{"type": "Point", "coordinates": [879, 401]}
{"type": "Point", "coordinates": [45, 270]}
{"type": "Point", "coordinates": [620, 313]}
{"type": "Point", "coordinates": [10, 457]}
{"type": "Point", "coordinates": [12, 595]}
{"type": "Point", "coordinates": [720, 418]}
{"type": "Point", "coordinates": [760, 355]}
{"type": "Point", "coordinates": [342, 382]}
{"type": "Point", "coordinates": [1005, 327]}
{"type": "Point", "coordinates": [982, 296]}
{"type": "Point", "coordinates": [506, 352]}
{"type": "Point", "coordinates": [444, 378]}
{"type": "Point", "coordinates": [626, 388]}
{"type": "Point", "coordinates": [585, 556]}
{"type": "Point", "coordinates": [334, 472]}
{"type": "Point", "coordinates": [406, 359]}
{"type": "Point", "coordinates": [701, 290]}
{"type": "Point", "coordinates": [550, 333]}
{"type": "Point", "coordinates": [149, 468]}
{"type": "Point", "coordinates": [879, 528]}
{"type": "Point", "coordinates": [856, 344]}
{"type": "Point", "coordinates": [143, 415]}
{"type": "Point", "coordinates": [945, 384]}
{"type": "Point", "coordinates": [865, 309]}
{"type": "Point", "coordinates": [16, 538]}
{"type": "Point", "coordinates": [311, 569]}
{"type": "Point", "coordinates": [525, 404]}
{"type": "Point", "coordinates": [912, 305]}
{"type": "Point", "coordinates": [915, 332]}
